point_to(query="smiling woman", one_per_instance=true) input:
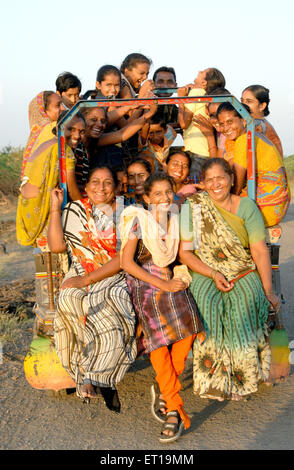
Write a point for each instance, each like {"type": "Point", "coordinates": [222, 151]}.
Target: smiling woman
{"type": "Point", "coordinates": [95, 321]}
{"type": "Point", "coordinates": [272, 187]}
{"type": "Point", "coordinates": [231, 283]}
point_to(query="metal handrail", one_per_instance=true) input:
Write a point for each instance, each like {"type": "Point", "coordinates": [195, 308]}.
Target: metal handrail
{"type": "Point", "coordinates": [161, 101]}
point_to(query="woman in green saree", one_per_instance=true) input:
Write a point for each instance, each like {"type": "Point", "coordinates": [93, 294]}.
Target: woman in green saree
{"type": "Point", "coordinates": [223, 244]}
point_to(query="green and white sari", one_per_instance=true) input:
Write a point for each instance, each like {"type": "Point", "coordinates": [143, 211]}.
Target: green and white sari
{"type": "Point", "coordinates": [236, 355]}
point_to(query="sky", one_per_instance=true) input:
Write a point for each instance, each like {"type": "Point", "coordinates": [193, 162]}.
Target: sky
{"type": "Point", "coordinates": [251, 42]}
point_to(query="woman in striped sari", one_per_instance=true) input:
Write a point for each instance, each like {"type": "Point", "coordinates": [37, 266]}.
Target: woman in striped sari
{"type": "Point", "coordinates": [95, 321]}
{"type": "Point", "coordinates": [223, 244]}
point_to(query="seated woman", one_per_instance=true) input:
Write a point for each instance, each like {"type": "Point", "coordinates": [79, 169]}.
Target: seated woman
{"type": "Point", "coordinates": [256, 97]}
{"type": "Point", "coordinates": [223, 244]}
{"type": "Point", "coordinates": [178, 166]}
{"type": "Point", "coordinates": [95, 321]}
{"type": "Point", "coordinates": [137, 173]}
{"type": "Point", "coordinates": [167, 313]}
{"type": "Point", "coordinates": [272, 187]}
{"type": "Point", "coordinates": [40, 176]}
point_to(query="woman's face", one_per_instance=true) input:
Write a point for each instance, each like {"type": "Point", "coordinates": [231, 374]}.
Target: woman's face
{"type": "Point", "coordinates": [178, 167]}
{"type": "Point", "coordinates": [110, 86]}
{"type": "Point", "coordinates": [211, 110]}
{"type": "Point", "coordinates": [74, 132]}
{"type": "Point", "coordinates": [95, 123]}
{"type": "Point", "coordinates": [137, 74]}
{"type": "Point", "coordinates": [231, 125]}
{"type": "Point", "coordinates": [256, 108]}
{"type": "Point", "coordinates": [217, 183]}
{"type": "Point", "coordinates": [156, 134]}
{"type": "Point", "coordinates": [54, 107]}
{"type": "Point", "coordinates": [161, 195]}
{"type": "Point", "coordinates": [101, 188]}
{"type": "Point", "coordinates": [137, 175]}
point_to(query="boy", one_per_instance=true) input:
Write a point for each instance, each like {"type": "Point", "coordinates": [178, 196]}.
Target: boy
{"type": "Point", "coordinates": [68, 86]}
{"type": "Point", "coordinates": [155, 140]}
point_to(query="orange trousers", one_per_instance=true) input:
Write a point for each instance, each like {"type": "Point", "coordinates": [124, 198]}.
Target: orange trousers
{"type": "Point", "coordinates": [168, 365]}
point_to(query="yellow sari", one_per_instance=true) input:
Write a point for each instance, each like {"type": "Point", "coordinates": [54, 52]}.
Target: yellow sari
{"type": "Point", "coordinates": [41, 170]}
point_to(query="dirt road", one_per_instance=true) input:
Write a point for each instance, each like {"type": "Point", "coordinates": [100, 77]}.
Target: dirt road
{"type": "Point", "coordinates": [30, 419]}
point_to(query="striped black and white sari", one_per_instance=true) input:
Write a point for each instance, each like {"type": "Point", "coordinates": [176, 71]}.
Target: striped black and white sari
{"type": "Point", "coordinates": [95, 326]}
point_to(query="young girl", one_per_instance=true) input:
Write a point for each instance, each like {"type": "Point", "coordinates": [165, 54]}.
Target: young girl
{"type": "Point", "coordinates": [137, 173]}
{"type": "Point", "coordinates": [167, 314]}
{"type": "Point", "coordinates": [257, 98]}
{"type": "Point", "coordinates": [195, 142]}
{"type": "Point", "coordinates": [134, 70]}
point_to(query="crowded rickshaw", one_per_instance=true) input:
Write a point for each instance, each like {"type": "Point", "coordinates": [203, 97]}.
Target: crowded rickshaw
{"type": "Point", "coordinates": [145, 202]}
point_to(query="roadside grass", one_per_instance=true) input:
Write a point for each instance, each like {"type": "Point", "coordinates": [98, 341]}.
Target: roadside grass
{"type": "Point", "coordinates": [10, 168]}
{"type": "Point", "coordinates": [12, 326]}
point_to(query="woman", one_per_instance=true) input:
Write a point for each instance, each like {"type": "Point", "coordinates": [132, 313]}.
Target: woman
{"type": "Point", "coordinates": [167, 314]}
{"type": "Point", "coordinates": [272, 188]}
{"type": "Point", "coordinates": [40, 176]}
{"type": "Point", "coordinates": [100, 145]}
{"type": "Point", "coordinates": [257, 98]}
{"type": "Point", "coordinates": [95, 321]}
{"type": "Point", "coordinates": [178, 166]}
{"type": "Point", "coordinates": [137, 173]}
{"type": "Point", "coordinates": [223, 244]}
{"type": "Point", "coordinates": [44, 110]}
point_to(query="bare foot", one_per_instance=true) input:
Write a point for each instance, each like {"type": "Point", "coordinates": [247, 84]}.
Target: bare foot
{"type": "Point", "coordinates": [88, 391]}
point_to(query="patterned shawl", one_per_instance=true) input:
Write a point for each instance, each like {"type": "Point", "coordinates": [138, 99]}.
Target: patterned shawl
{"type": "Point", "coordinates": [218, 245]}
{"type": "Point", "coordinates": [89, 234]}
{"type": "Point", "coordinates": [38, 119]}
{"type": "Point", "coordinates": [163, 245]}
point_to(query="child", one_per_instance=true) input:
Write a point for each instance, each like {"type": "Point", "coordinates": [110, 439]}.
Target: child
{"type": "Point", "coordinates": [68, 86]}
{"type": "Point", "coordinates": [155, 140]}
{"type": "Point", "coordinates": [134, 70]}
{"type": "Point", "coordinates": [167, 314]}
{"type": "Point", "coordinates": [195, 142]}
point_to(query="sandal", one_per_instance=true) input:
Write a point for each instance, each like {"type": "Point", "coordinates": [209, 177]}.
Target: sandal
{"type": "Point", "coordinates": [157, 404]}
{"type": "Point", "coordinates": [111, 399]}
{"type": "Point", "coordinates": [176, 428]}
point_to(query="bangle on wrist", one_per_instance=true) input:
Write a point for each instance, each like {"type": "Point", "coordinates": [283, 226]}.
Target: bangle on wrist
{"type": "Point", "coordinates": [269, 293]}
{"type": "Point", "coordinates": [56, 210]}
{"type": "Point", "coordinates": [213, 273]}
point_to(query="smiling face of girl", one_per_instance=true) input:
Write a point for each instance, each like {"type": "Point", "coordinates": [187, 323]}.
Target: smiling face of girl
{"type": "Point", "coordinates": [231, 125]}
{"type": "Point", "coordinates": [160, 195]}
{"type": "Point", "coordinates": [137, 74]}
{"type": "Point", "coordinates": [137, 175]}
{"type": "Point", "coordinates": [256, 108]}
{"type": "Point", "coordinates": [95, 123]}
{"type": "Point", "coordinates": [54, 107]}
{"type": "Point", "coordinates": [110, 85]}
{"type": "Point", "coordinates": [178, 167]}
{"type": "Point", "coordinates": [74, 132]}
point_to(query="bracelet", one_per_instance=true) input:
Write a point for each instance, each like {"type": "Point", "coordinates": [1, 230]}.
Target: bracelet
{"type": "Point", "coordinates": [56, 210]}
{"type": "Point", "coordinates": [269, 293]}
{"type": "Point", "coordinates": [213, 273]}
